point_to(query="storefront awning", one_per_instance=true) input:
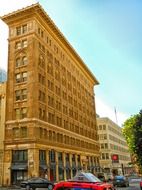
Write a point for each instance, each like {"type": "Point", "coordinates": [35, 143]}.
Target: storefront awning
{"type": "Point", "coordinates": [43, 166]}
{"type": "Point", "coordinates": [19, 167]}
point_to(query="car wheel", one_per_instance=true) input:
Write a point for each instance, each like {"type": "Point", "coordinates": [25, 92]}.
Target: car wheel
{"type": "Point", "coordinates": [28, 187]}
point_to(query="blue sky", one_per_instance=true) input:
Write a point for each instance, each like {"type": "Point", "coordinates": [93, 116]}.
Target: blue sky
{"type": "Point", "coordinates": [107, 34]}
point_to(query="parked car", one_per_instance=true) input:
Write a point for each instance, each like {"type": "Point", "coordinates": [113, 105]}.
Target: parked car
{"type": "Point", "coordinates": [37, 182]}
{"type": "Point", "coordinates": [83, 181]}
{"type": "Point", "coordinates": [140, 185]}
{"type": "Point", "coordinates": [121, 181]}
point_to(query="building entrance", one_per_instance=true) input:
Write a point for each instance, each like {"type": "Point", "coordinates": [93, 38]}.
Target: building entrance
{"type": "Point", "coordinates": [17, 176]}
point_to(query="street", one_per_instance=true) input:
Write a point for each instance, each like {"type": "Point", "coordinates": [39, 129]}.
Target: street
{"type": "Point", "coordinates": [133, 186]}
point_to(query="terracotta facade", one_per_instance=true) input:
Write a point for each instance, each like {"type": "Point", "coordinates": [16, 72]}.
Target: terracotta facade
{"type": "Point", "coordinates": [50, 109]}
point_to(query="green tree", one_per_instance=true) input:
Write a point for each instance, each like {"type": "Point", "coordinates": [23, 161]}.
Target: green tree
{"type": "Point", "coordinates": [132, 130]}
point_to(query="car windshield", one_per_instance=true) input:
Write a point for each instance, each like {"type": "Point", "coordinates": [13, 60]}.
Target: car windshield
{"type": "Point", "coordinates": [92, 177]}
{"type": "Point", "coordinates": [85, 177]}
{"type": "Point", "coordinates": [119, 177]}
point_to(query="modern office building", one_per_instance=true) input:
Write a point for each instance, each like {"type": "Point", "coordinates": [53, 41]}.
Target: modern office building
{"type": "Point", "coordinates": [115, 156]}
{"type": "Point", "coordinates": [50, 110]}
{"type": "Point", "coordinates": [3, 75]}
{"type": "Point", "coordinates": [2, 125]}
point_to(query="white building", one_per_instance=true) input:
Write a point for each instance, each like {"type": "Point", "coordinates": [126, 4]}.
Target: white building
{"type": "Point", "coordinates": [115, 156]}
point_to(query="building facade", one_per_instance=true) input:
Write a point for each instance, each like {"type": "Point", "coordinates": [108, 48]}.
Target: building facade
{"type": "Point", "coordinates": [3, 75]}
{"type": "Point", "coordinates": [2, 125]}
{"type": "Point", "coordinates": [115, 156]}
{"type": "Point", "coordinates": [50, 111]}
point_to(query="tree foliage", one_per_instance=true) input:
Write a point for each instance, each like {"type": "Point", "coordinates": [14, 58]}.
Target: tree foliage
{"type": "Point", "coordinates": [132, 130]}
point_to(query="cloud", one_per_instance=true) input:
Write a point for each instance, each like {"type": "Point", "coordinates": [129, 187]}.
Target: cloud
{"type": "Point", "coordinates": [103, 110]}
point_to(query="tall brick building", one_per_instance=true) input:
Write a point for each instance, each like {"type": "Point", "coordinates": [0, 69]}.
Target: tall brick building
{"type": "Point", "coordinates": [50, 109]}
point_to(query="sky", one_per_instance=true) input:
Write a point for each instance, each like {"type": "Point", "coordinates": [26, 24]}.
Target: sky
{"type": "Point", "coordinates": [107, 35]}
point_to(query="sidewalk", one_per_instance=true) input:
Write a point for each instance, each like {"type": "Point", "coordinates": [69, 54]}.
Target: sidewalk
{"type": "Point", "coordinates": [10, 188]}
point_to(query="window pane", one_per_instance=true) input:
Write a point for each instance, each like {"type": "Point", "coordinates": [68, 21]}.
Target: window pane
{"type": "Point", "coordinates": [18, 79]}
{"type": "Point", "coordinates": [17, 62]}
{"type": "Point", "coordinates": [18, 30]}
{"type": "Point", "coordinates": [17, 113]}
{"type": "Point", "coordinates": [15, 132]}
{"type": "Point", "coordinates": [17, 94]}
{"type": "Point", "coordinates": [23, 132]}
{"type": "Point", "coordinates": [24, 60]}
{"type": "Point", "coordinates": [24, 94]}
{"type": "Point", "coordinates": [24, 43]}
{"type": "Point", "coordinates": [23, 112]}
{"type": "Point", "coordinates": [18, 45]}
{"type": "Point", "coordinates": [24, 28]}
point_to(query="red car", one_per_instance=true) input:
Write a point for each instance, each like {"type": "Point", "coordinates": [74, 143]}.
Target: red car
{"type": "Point", "coordinates": [141, 185]}
{"type": "Point", "coordinates": [84, 181]}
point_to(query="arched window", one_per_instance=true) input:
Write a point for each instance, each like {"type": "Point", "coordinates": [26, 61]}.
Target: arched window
{"type": "Point", "coordinates": [24, 60]}
{"type": "Point", "coordinates": [18, 62]}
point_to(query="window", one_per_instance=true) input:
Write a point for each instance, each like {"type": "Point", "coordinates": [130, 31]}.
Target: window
{"type": "Point", "coordinates": [42, 34]}
{"type": "Point", "coordinates": [17, 62]}
{"type": "Point", "coordinates": [19, 155]}
{"type": "Point", "coordinates": [51, 101]}
{"type": "Point", "coordinates": [42, 155]}
{"type": "Point", "coordinates": [24, 43]}
{"type": "Point", "coordinates": [24, 94]}
{"type": "Point", "coordinates": [21, 29]}
{"type": "Point", "coordinates": [15, 132]}
{"type": "Point", "coordinates": [51, 117]}
{"type": "Point", "coordinates": [60, 156]}
{"type": "Point", "coordinates": [18, 45]}
{"type": "Point", "coordinates": [102, 146]}
{"type": "Point", "coordinates": [106, 145]}
{"type": "Point", "coordinates": [100, 127]}
{"type": "Point", "coordinates": [24, 28]}
{"type": "Point", "coordinates": [21, 94]}
{"type": "Point", "coordinates": [52, 156]}
{"type": "Point", "coordinates": [17, 113]}
{"type": "Point", "coordinates": [41, 96]}
{"type": "Point", "coordinates": [107, 156]}
{"type": "Point", "coordinates": [42, 114]}
{"type": "Point", "coordinates": [24, 76]}
{"type": "Point", "coordinates": [23, 132]}
{"type": "Point", "coordinates": [21, 61]}
{"type": "Point", "coordinates": [24, 60]}
{"type": "Point", "coordinates": [103, 156]}
{"type": "Point", "coordinates": [67, 157]}
{"type": "Point", "coordinates": [21, 77]}
{"type": "Point", "coordinates": [18, 31]}
{"type": "Point", "coordinates": [104, 127]}
{"type": "Point", "coordinates": [18, 78]}
{"type": "Point", "coordinates": [105, 136]}
{"type": "Point", "coordinates": [17, 94]}
{"type": "Point", "coordinates": [23, 113]}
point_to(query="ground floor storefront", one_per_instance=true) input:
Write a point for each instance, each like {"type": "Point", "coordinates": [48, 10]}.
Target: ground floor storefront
{"type": "Point", "coordinates": [56, 164]}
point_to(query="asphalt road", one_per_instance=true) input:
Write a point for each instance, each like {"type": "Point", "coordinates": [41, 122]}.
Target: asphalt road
{"type": "Point", "coordinates": [133, 186]}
